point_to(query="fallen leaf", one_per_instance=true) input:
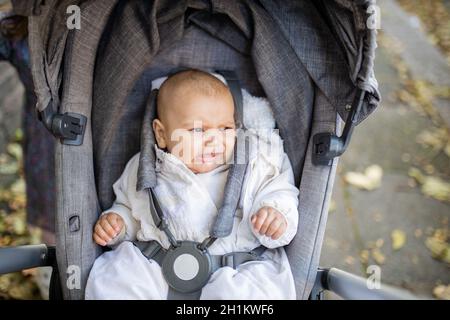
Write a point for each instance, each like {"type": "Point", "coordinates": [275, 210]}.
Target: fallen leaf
{"type": "Point", "coordinates": [9, 168]}
{"type": "Point", "coordinates": [364, 256]}
{"type": "Point", "coordinates": [26, 290]}
{"type": "Point", "coordinates": [398, 239]}
{"type": "Point", "coordinates": [369, 180]}
{"type": "Point", "coordinates": [35, 235]}
{"type": "Point", "coordinates": [433, 17]}
{"type": "Point", "coordinates": [432, 186]}
{"type": "Point", "coordinates": [18, 187]}
{"type": "Point", "coordinates": [416, 174]}
{"type": "Point", "coordinates": [15, 149]}
{"type": "Point", "coordinates": [19, 226]}
{"type": "Point", "coordinates": [378, 256]}
{"type": "Point", "coordinates": [18, 134]}
{"type": "Point", "coordinates": [436, 138]}
{"type": "Point", "coordinates": [429, 169]}
{"type": "Point", "coordinates": [436, 188]}
{"type": "Point", "coordinates": [442, 292]}
{"type": "Point", "coordinates": [439, 249]}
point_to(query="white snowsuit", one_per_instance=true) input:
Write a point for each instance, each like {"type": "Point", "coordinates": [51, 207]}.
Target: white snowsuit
{"type": "Point", "coordinates": [191, 203]}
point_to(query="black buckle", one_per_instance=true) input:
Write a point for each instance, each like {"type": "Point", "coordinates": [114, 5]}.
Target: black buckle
{"type": "Point", "coordinates": [203, 272]}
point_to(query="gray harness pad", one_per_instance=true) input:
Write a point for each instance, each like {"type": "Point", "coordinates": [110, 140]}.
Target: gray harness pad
{"type": "Point", "coordinates": [187, 268]}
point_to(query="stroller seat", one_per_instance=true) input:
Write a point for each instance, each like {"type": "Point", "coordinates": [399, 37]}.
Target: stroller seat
{"type": "Point", "coordinates": [313, 60]}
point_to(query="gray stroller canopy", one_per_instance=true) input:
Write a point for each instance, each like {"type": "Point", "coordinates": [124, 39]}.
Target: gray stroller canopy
{"type": "Point", "coordinates": [307, 57]}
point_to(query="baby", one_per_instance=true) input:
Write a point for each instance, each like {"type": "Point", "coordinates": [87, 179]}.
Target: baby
{"type": "Point", "coordinates": [191, 177]}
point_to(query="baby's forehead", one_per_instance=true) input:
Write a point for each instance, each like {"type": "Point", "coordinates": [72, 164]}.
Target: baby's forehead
{"type": "Point", "coordinates": [195, 82]}
{"type": "Point", "coordinates": [191, 85]}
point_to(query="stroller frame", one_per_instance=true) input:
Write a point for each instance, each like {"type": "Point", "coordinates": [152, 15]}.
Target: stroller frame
{"type": "Point", "coordinates": [354, 98]}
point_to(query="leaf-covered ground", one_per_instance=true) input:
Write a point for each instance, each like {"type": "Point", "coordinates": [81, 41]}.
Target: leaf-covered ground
{"type": "Point", "coordinates": [434, 16]}
{"type": "Point", "coordinates": [391, 200]}
{"type": "Point", "coordinates": [14, 230]}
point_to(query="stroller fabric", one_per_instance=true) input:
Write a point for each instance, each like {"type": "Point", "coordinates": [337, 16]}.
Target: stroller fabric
{"type": "Point", "coordinates": [307, 57]}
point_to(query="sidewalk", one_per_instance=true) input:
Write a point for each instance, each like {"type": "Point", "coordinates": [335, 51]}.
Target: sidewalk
{"type": "Point", "coordinates": [359, 230]}
{"type": "Point", "coordinates": [11, 102]}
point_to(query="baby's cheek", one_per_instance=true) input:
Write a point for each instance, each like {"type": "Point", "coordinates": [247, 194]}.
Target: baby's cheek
{"type": "Point", "coordinates": [229, 143]}
{"type": "Point", "coordinates": [186, 149]}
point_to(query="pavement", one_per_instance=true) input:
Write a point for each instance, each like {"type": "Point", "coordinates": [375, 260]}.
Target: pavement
{"type": "Point", "coordinates": [11, 102]}
{"type": "Point", "coordinates": [388, 138]}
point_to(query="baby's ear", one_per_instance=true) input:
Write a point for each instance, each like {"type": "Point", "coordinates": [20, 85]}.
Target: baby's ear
{"type": "Point", "coordinates": [159, 131]}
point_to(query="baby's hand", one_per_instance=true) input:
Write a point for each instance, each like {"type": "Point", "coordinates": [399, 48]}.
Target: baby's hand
{"type": "Point", "coordinates": [107, 227]}
{"type": "Point", "coordinates": [268, 221]}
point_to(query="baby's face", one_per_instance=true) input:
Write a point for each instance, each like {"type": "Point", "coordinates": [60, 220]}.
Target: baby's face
{"type": "Point", "coordinates": [199, 129]}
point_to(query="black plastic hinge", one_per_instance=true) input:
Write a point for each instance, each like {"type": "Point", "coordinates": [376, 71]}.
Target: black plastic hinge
{"type": "Point", "coordinates": [69, 127]}
{"type": "Point", "coordinates": [327, 145]}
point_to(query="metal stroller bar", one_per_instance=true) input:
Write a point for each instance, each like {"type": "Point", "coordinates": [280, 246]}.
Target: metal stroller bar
{"type": "Point", "coordinates": [352, 287]}
{"type": "Point", "coordinates": [18, 258]}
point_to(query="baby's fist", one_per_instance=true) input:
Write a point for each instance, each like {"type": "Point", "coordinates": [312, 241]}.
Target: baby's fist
{"type": "Point", "coordinates": [107, 227]}
{"type": "Point", "coordinates": [268, 221]}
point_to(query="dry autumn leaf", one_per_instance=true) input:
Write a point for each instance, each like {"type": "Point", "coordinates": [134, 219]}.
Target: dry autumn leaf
{"type": "Point", "coordinates": [439, 249]}
{"type": "Point", "coordinates": [432, 186]}
{"type": "Point", "coordinates": [369, 180]}
{"type": "Point", "coordinates": [436, 138]}
{"type": "Point", "coordinates": [378, 256]}
{"type": "Point", "coordinates": [364, 256]}
{"type": "Point", "coordinates": [442, 292]}
{"type": "Point", "coordinates": [18, 134]}
{"type": "Point", "coordinates": [9, 168]}
{"type": "Point", "coordinates": [15, 149]}
{"type": "Point", "coordinates": [436, 188]}
{"type": "Point", "coordinates": [18, 187]}
{"type": "Point", "coordinates": [398, 239]}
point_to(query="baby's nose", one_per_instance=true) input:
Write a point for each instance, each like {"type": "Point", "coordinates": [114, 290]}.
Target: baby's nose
{"type": "Point", "coordinates": [212, 137]}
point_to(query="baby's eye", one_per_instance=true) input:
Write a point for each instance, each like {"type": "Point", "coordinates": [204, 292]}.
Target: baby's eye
{"type": "Point", "coordinates": [225, 128]}
{"type": "Point", "coordinates": [196, 130]}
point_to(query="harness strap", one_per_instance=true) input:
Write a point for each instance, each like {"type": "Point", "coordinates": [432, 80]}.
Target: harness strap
{"type": "Point", "coordinates": [235, 88]}
{"type": "Point", "coordinates": [235, 259]}
{"type": "Point", "coordinates": [153, 250]}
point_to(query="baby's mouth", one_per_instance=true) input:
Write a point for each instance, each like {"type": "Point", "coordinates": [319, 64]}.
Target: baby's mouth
{"type": "Point", "coordinates": [210, 157]}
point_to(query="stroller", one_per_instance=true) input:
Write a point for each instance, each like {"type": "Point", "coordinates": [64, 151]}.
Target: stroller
{"type": "Point", "coordinates": [313, 60]}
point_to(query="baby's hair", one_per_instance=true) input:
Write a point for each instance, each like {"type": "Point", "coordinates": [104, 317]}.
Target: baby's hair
{"type": "Point", "coordinates": [186, 81]}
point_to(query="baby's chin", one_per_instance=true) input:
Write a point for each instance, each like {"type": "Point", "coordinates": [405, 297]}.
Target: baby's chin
{"type": "Point", "coordinates": [203, 167]}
